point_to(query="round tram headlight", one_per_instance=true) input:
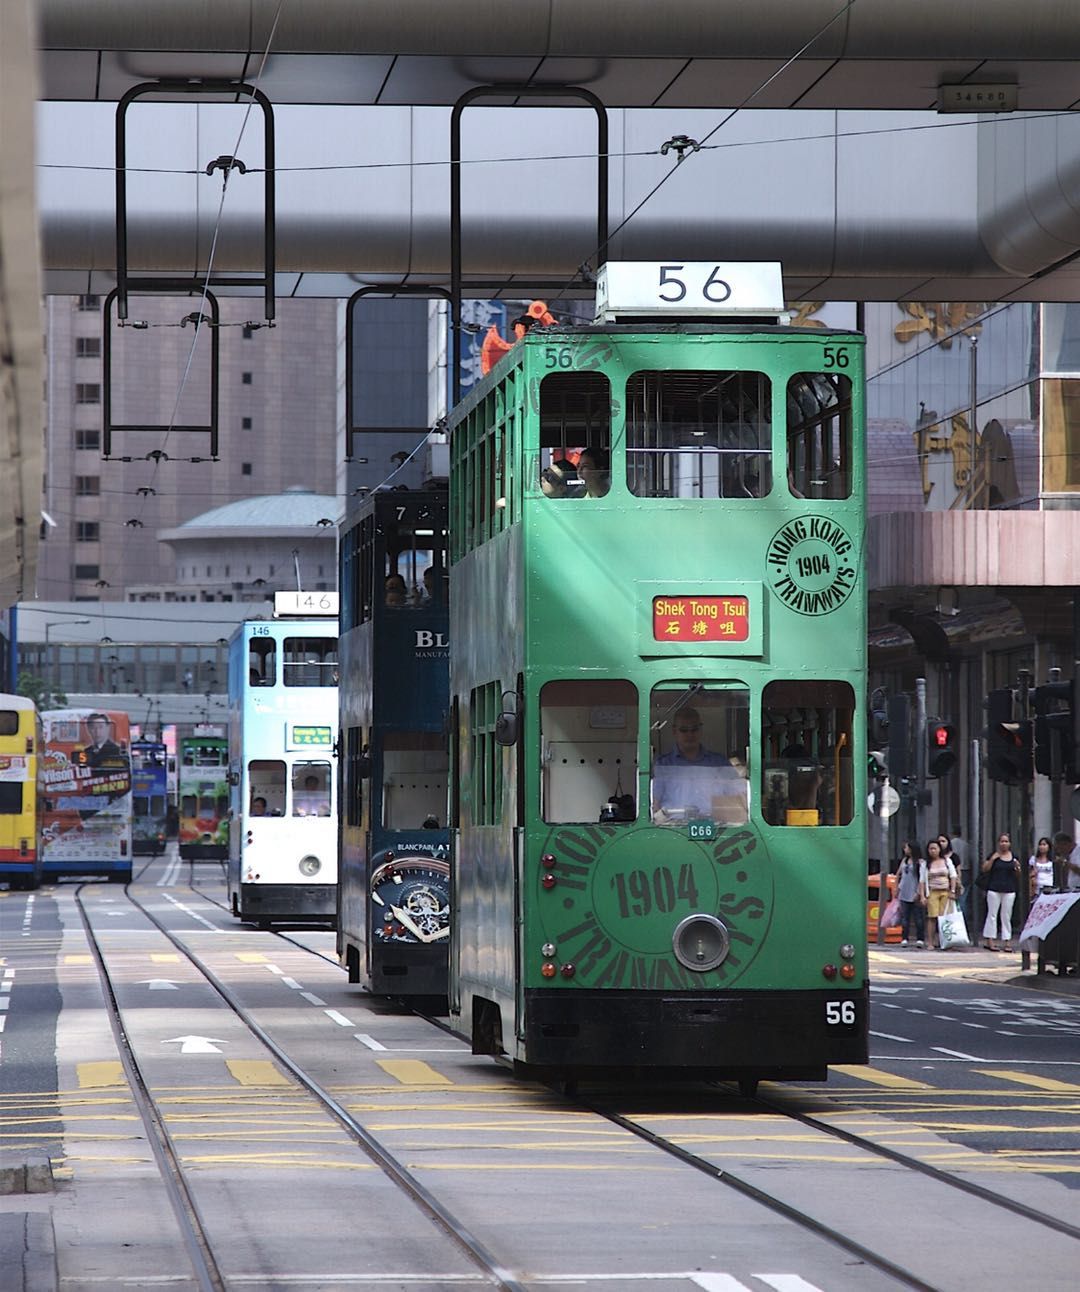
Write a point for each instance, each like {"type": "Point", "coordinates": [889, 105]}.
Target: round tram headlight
{"type": "Point", "coordinates": [847, 952]}
{"type": "Point", "coordinates": [310, 865]}
{"type": "Point", "coordinates": [701, 942]}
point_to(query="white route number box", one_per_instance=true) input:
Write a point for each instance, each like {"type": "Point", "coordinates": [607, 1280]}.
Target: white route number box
{"type": "Point", "coordinates": [701, 288]}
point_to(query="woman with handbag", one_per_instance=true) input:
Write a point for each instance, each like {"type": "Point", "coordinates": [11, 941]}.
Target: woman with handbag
{"type": "Point", "coordinates": [941, 881]}
{"type": "Point", "coordinates": [998, 877]}
{"type": "Point", "coordinates": [911, 890]}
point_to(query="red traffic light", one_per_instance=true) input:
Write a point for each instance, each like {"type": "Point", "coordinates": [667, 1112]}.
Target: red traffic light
{"type": "Point", "coordinates": [941, 735]}
{"type": "Point", "coordinates": [941, 742]}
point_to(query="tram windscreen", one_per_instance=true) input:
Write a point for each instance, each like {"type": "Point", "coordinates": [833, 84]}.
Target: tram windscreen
{"type": "Point", "coordinates": [311, 789]}
{"type": "Point", "coordinates": [699, 736]}
{"type": "Point", "coordinates": [807, 775]}
{"type": "Point", "coordinates": [266, 786]}
{"type": "Point", "coordinates": [699, 434]}
{"type": "Point", "coordinates": [588, 742]}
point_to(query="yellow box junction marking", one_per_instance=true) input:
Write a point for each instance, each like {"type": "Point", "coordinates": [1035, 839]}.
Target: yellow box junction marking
{"type": "Point", "coordinates": [876, 1077]}
{"type": "Point", "coordinates": [413, 1072]}
{"type": "Point", "coordinates": [96, 1075]}
{"type": "Point", "coordinates": [1029, 1079]}
{"type": "Point", "coordinates": [78, 960]}
{"type": "Point", "coordinates": [256, 1072]}
{"type": "Point", "coordinates": [251, 957]}
{"type": "Point", "coordinates": [164, 957]}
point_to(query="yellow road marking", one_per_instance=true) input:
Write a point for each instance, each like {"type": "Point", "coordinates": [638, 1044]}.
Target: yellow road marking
{"type": "Point", "coordinates": [164, 957]}
{"type": "Point", "coordinates": [413, 1072]}
{"type": "Point", "coordinates": [256, 1072]}
{"type": "Point", "coordinates": [1029, 1079]}
{"type": "Point", "coordinates": [78, 960]}
{"type": "Point", "coordinates": [876, 1077]}
{"type": "Point", "coordinates": [251, 957]}
{"type": "Point", "coordinates": [108, 1073]}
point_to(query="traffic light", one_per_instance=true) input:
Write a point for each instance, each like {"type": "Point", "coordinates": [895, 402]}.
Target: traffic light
{"type": "Point", "coordinates": [940, 748]}
{"type": "Point", "coordinates": [1008, 742]}
{"type": "Point", "coordinates": [899, 755]}
{"type": "Point", "coordinates": [1055, 735]}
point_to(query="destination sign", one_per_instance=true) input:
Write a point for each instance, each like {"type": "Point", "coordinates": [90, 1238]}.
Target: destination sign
{"type": "Point", "coordinates": [701, 619]}
{"type": "Point", "coordinates": [312, 736]}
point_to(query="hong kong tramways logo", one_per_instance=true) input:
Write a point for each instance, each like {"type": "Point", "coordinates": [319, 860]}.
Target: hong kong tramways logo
{"type": "Point", "coordinates": [811, 564]}
{"type": "Point", "coordinates": [618, 896]}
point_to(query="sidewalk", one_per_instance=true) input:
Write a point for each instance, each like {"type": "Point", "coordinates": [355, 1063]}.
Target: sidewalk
{"type": "Point", "coordinates": [976, 962]}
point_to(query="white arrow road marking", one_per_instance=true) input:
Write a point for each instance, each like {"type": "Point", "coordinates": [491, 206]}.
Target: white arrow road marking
{"type": "Point", "coordinates": [160, 984]}
{"type": "Point", "coordinates": [197, 1044]}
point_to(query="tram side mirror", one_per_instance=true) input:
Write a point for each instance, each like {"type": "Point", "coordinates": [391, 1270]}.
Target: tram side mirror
{"type": "Point", "coordinates": [508, 723]}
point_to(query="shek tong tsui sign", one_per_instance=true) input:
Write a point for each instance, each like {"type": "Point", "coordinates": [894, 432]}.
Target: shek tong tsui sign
{"type": "Point", "coordinates": [701, 619]}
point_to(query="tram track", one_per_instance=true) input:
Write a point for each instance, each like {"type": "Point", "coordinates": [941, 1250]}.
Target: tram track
{"type": "Point", "coordinates": [796, 1215]}
{"type": "Point", "coordinates": [193, 1227]}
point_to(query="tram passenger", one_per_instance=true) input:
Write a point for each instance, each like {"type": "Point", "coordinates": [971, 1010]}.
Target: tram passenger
{"type": "Point", "coordinates": [692, 781]}
{"type": "Point", "coordinates": [258, 806]}
{"type": "Point", "coordinates": [556, 480]}
{"type": "Point", "coordinates": [395, 591]}
{"type": "Point", "coordinates": [312, 799]}
{"type": "Point", "coordinates": [594, 468]}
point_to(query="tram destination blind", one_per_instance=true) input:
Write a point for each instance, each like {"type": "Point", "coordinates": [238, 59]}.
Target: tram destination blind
{"type": "Point", "coordinates": [701, 619]}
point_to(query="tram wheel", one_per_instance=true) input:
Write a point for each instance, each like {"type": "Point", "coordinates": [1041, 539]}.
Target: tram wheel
{"type": "Point", "coordinates": [748, 1087]}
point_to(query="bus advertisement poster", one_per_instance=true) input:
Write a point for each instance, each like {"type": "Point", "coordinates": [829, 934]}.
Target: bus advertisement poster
{"type": "Point", "coordinates": [86, 788]}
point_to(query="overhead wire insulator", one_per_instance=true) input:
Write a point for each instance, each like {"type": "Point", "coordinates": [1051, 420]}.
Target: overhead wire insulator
{"type": "Point", "coordinates": [681, 145]}
{"type": "Point", "coordinates": [226, 164]}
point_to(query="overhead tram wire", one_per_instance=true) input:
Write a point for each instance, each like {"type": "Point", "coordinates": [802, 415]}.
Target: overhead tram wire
{"type": "Point", "coordinates": [198, 315]}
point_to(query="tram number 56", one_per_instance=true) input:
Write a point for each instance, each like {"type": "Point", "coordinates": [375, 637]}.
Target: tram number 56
{"type": "Point", "coordinates": [673, 288]}
{"type": "Point", "coordinates": [840, 1013]}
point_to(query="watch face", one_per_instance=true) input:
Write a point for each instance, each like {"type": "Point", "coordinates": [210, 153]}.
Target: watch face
{"type": "Point", "coordinates": [410, 900]}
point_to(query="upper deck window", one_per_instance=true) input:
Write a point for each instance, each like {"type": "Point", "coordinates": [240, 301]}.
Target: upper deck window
{"type": "Point", "coordinates": [416, 575]}
{"type": "Point", "coordinates": [699, 434]}
{"type": "Point", "coordinates": [575, 423]}
{"type": "Point", "coordinates": [819, 421]}
{"type": "Point", "coordinates": [310, 661]}
{"type": "Point", "coordinates": [262, 661]}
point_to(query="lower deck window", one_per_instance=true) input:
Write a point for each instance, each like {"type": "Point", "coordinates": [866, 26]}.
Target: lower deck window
{"type": "Point", "coordinates": [807, 773]}
{"type": "Point", "coordinates": [415, 770]}
{"type": "Point", "coordinates": [266, 782]}
{"type": "Point", "coordinates": [699, 734]}
{"type": "Point", "coordinates": [311, 789]}
{"type": "Point", "coordinates": [588, 734]}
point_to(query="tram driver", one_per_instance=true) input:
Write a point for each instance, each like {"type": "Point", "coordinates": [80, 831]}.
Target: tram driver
{"type": "Point", "coordinates": [693, 782]}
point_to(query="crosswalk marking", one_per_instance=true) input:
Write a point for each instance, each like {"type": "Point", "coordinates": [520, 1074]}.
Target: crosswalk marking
{"type": "Point", "coordinates": [256, 1072]}
{"type": "Point", "coordinates": [876, 1077]}
{"type": "Point", "coordinates": [93, 1076]}
{"type": "Point", "coordinates": [1030, 1079]}
{"type": "Point", "coordinates": [413, 1072]}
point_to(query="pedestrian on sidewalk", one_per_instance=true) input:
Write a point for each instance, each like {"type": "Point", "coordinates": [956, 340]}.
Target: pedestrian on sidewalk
{"type": "Point", "coordinates": [1041, 868]}
{"type": "Point", "coordinates": [940, 890]}
{"type": "Point", "coordinates": [1002, 871]}
{"type": "Point", "coordinates": [911, 890]}
{"type": "Point", "coordinates": [1067, 856]}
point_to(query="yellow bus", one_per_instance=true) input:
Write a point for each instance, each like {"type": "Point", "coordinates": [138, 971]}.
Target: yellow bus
{"type": "Point", "coordinates": [20, 769]}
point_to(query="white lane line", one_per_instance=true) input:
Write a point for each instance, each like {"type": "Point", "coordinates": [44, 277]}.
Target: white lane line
{"type": "Point", "coordinates": [888, 1036]}
{"type": "Point", "coordinates": [315, 1000]}
{"type": "Point", "coordinates": [958, 1054]}
{"type": "Point", "coordinates": [339, 1018]}
{"type": "Point", "coordinates": [274, 969]}
{"type": "Point", "coordinates": [787, 1282]}
{"type": "Point", "coordinates": [291, 982]}
{"type": "Point", "coordinates": [3, 1020]}
{"type": "Point", "coordinates": [5, 1001]}
{"type": "Point", "coordinates": [193, 914]}
{"type": "Point", "coordinates": [169, 874]}
{"type": "Point", "coordinates": [369, 1041]}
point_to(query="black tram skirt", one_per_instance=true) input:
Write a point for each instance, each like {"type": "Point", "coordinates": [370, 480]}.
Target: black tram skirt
{"type": "Point", "coordinates": [405, 969]}
{"type": "Point", "coordinates": [778, 1035]}
{"type": "Point", "coordinates": [288, 902]}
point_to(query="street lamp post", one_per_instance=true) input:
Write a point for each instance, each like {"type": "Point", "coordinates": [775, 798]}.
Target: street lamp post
{"type": "Point", "coordinates": [55, 623]}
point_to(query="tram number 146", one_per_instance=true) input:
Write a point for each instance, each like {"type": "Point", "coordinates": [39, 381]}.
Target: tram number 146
{"type": "Point", "coordinates": [840, 1013]}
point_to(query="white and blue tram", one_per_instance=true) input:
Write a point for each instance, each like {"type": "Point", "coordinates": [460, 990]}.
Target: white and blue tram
{"type": "Point", "coordinates": [282, 764]}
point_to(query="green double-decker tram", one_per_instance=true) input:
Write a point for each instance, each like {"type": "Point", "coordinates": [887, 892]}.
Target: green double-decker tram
{"type": "Point", "coordinates": [658, 671]}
